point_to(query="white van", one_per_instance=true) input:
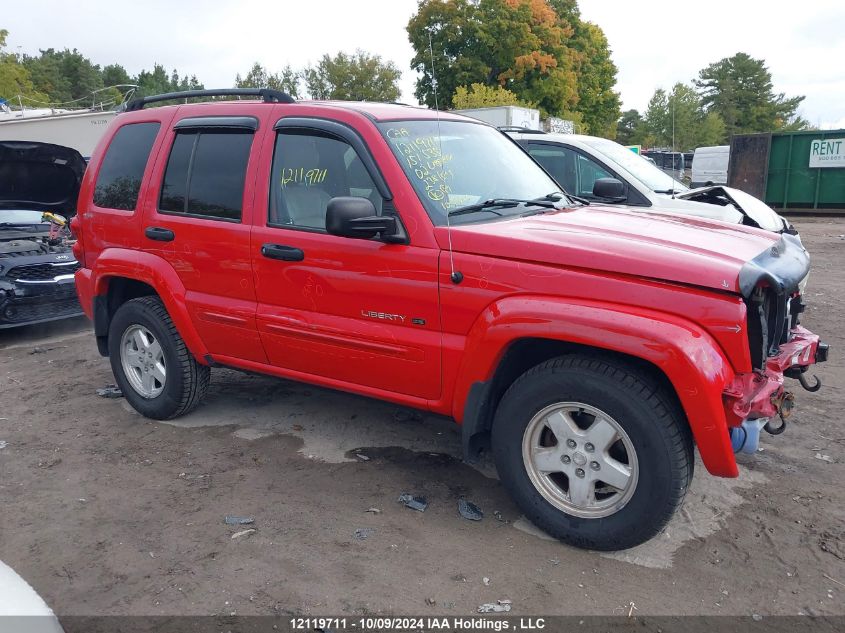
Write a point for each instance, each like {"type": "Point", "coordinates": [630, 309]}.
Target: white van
{"type": "Point", "coordinates": [710, 166]}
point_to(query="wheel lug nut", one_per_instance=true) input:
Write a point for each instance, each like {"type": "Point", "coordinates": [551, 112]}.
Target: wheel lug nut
{"type": "Point", "coordinates": [571, 443]}
{"type": "Point", "coordinates": [566, 459]}
{"type": "Point", "coordinates": [589, 447]}
{"type": "Point", "coordinates": [595, 465]}
{"type": "Point", "coordinates": [580, 472]}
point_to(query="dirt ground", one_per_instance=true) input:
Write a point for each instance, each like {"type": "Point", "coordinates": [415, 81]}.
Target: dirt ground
{"type": "Point", "coordinates": [107, 513]}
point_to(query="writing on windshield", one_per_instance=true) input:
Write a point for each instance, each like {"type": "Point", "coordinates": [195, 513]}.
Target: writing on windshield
{"type": "Point", "coordinates": [425, 159]}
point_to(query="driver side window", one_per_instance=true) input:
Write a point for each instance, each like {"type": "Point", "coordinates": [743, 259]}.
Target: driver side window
{"type": "Point", "coordinates": [574, 172]}
{"type": "Point", "coordinates": [309, 169]}
{"type": "Point", "coordinates": [588, 172]}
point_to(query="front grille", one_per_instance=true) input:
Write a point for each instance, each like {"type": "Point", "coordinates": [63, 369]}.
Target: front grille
{"type": "Point", "coordinates": [771, 317]}
{"type": "Point", "coordinates": [26, 311]}
{"type": "Point", "coordinates": [42, 272]}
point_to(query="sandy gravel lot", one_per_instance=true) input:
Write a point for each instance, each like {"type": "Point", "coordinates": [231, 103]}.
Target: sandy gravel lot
{"type": "Point", "coordinates": [107, 513]}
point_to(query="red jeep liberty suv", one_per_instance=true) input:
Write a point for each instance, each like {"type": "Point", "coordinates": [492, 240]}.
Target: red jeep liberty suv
{"type": "Point", "coordinates": [423, 258]}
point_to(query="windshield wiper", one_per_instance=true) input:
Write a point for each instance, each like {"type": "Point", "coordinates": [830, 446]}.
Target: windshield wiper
{"type": "Point", "coordinates": [667, 191]}
{"type": "Point", "coordinates": [503, 203]}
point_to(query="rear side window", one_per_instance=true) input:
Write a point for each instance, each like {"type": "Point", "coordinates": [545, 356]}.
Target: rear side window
{"type": "Point", "coordinates": [205, 174]}
{"type": "Point", "coordinates": [122, 169]}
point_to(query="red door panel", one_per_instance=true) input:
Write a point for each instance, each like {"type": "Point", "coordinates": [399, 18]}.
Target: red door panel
{"type": "Point", "coordinates": [354, 310]}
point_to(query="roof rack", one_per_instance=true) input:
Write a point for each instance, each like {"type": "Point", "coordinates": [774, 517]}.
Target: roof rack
{"type": "Point", "coordinates": [268, 95]}
{"type": "Point", "coordinates": [518, 128]}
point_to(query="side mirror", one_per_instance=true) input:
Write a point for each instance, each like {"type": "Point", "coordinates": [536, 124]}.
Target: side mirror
{"type": "Point", "coordinates": [356, 217]}
{"type": "Point", "coordinates": [609, 189]}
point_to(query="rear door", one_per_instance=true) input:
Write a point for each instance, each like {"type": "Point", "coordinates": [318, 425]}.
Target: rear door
{"type": "Point", "coordinates": [354, 311]}
{"type": "Point", "coordinates": [199, 221]}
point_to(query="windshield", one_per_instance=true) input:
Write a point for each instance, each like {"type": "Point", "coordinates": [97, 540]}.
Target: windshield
{"type": "Point", "coordinates": [643, 170]}
{"type": "Point", "coordinates": [20, 217]}
{"type": "Point", "coordinates": [464, 164]}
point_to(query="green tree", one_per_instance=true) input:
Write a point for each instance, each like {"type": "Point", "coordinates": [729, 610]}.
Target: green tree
{"type": "Point", "coordinates": [259, 77]}
{"type": "Point", "coordinates": [739, 89]}
{"type": "Point", "coordinates": [157, 81]}
{"type": "Point", "coordinates": [483, 96]}
{"type": "Point", "coordinates": [454, 28]}
{"type": "Point", "coordinates": [629, 129]}
{"type": "Point", "coordinates": [15, 79]}
{"type": "Point", "coordinates": [677, 119]}
{"type": "Point", "coordinates": [115, 75]}
{"type": "Point", "coordinates": [66, 76]}
{"type": "Point", "coordinates": [353, 77]}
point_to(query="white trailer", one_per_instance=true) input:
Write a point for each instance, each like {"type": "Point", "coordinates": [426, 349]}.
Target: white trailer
{"type": "Point", "coordinates": [505, 116]}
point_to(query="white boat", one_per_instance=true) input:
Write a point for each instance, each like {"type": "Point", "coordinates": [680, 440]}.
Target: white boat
{"type": "Point", "coordinates": [80, 129]}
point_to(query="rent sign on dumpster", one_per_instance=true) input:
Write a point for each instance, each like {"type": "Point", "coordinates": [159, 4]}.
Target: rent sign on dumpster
{"type": "Point", "coordinates": [829, 152]}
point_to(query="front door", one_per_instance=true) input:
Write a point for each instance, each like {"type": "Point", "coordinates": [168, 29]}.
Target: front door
{"type": "Point", "coordinates": [358, 312]}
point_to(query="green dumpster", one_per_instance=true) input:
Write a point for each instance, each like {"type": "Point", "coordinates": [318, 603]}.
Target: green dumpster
{"type": "Point", "coordinates": [793, 171]}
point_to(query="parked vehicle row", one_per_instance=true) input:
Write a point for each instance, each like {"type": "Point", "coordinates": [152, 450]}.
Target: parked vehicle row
{"type": "Point", "coordinates": [425, 259]}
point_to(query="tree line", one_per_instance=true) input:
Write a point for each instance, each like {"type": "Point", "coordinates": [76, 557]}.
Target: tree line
{"type": "Point", "coordinates": [68, 78]}
{"type": "Point", "coordinates": [471, 53]}
{"type": "Point", "coordinates": [732, 96]}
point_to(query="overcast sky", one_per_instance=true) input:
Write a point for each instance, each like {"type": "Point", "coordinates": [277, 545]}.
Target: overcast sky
{"type": "Point", "coordinates": [655, 42]}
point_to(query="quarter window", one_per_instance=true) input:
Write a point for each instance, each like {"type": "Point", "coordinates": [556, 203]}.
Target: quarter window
{"type": "Point", "coordinates": [205, 174]}
{"type": "Point", "coordinates": [122, 169]}
{"type": "Point", "coordinates": [309, 169]}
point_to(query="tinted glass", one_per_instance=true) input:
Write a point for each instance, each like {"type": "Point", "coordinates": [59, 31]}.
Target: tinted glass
{"type": "Point", "coordinates": [309, 169]}
{"type": "Point", "coordinates": [205, 174]}
{"type": "Point", "coordinates": [559, 162]}
{"type": "Point", "coordinates": [174, 188]}
{"type": "Point", "coordinates": [454, 164]}
{"type": "Point", "coordinates": [218, 174]}
{"type": "Point", "coordinates": [122, 169]}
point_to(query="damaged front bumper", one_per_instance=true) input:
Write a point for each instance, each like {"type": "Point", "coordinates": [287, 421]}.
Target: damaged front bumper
{"type": "Point", "coordinates": [758, 401]}
{"type": "Point", "coordinates": [29, 303]}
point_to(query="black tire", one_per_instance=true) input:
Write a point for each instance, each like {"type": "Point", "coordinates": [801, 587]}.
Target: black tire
{"type": "Point", "coordinates": [641, 405]}
{"type": "Point", "coordinates": [187, 380]}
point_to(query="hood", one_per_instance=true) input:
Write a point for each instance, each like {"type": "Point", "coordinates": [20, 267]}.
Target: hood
{"type": "Point", "coordinates": [40, 177]}
{"type": "Point", "coordinates": [758, 212]}
{"type": "Point", "coordinates": [683, 249]}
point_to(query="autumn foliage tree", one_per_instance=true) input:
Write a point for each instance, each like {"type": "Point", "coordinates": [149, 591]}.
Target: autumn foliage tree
{"type": "Point", "coordinates": [540, 50]}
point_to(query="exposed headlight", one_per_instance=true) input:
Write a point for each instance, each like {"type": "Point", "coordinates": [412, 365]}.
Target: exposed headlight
{"type": "Point", "coordinates": [802, 285]}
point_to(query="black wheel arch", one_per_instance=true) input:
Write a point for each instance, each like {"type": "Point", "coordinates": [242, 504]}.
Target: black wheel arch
{"type": "Point", "coordinates": [520, 356]}
{"type": "Point", "coordinates": [120, 290]}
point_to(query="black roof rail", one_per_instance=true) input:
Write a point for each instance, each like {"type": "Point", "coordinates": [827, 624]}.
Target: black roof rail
{"type": "Point", "coordinates": [267, 94]}
{"type": "Point", "coordinates": [517, 128]}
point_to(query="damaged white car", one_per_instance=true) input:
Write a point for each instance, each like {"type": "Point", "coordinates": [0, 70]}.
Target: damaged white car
{"type": "Point", "coordinates": [600, 170]}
